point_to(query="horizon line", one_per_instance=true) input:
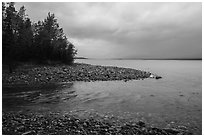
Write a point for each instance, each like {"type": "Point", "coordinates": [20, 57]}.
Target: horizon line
{"type": "Point", "coordinates": [141, 58]}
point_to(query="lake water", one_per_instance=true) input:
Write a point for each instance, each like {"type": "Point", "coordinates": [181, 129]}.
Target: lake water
{"type": "Point", "coordinates": [174, 100]}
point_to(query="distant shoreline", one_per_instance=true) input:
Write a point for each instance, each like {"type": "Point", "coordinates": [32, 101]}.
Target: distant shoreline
{"type": "Point", "coordinates": [132, 59]}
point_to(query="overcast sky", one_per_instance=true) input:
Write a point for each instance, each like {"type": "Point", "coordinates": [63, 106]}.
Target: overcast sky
{"type": "Point", "coordinates": [127, 30]}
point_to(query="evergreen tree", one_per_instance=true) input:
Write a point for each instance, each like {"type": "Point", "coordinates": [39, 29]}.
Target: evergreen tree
{"type": "Point", "coordinates": [25, 35]}
{"type": "Point", "coordinates": [41, 41]}
{"type": "Point", "coordinates": [53, 42]}
{"type": "Point", "coordinates": [8, 35]}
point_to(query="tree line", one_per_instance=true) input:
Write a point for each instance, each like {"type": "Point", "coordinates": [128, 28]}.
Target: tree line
{"type": "Point", "coordinates": [24, 41]}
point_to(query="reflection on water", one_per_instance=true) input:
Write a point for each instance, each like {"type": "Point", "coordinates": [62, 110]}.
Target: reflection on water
{"type": "Point", "coordinates": [19, 97]}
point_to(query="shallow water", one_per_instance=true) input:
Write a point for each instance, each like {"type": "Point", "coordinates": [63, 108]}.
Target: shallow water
{"type": "Point", "coordinates": [176, 99]}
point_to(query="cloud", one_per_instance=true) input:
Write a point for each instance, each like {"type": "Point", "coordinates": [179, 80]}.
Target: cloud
{"type": "Point", "coordinates": [143, 30]}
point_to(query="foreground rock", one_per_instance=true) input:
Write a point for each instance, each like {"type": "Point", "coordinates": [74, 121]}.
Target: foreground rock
{"type": "Point", "coordinates": [49, 124]}
{"type": "Point", "coordinates": [65, 73]}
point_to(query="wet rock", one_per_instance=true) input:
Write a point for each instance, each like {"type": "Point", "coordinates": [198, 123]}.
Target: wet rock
{"type": "Point", "coordinates": [158, 77]}
{"type": "Point", "coordinates": [154, 76]}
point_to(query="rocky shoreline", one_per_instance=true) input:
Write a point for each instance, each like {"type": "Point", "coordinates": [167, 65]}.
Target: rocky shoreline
{"type": "Point", "coordinates": [55, 124]}
{"type": "Point", "coordinates": [15, 123]}
{"type": "Point", "coordinates": [32, 74]}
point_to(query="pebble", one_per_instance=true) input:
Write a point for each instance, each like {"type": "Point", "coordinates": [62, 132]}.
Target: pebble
{"type": "Point", "coordinates": [47, 124]}
{"type": "Point", "coordinates": [75, 72]}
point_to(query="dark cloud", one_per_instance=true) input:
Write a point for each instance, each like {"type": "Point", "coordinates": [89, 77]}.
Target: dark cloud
{"type": "Point", "coordinates": [144, 30]}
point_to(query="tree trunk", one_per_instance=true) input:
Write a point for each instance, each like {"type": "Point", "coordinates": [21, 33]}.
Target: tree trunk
{"type": "Point", "coordinates": [10, 68]}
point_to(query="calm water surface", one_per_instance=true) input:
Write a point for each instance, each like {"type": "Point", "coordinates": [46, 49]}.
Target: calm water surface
{"type": "Point", "coordinates": [176, 99]}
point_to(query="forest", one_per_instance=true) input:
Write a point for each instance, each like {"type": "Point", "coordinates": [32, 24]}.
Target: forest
{"type": "Point", "coordinates": [26, 41]}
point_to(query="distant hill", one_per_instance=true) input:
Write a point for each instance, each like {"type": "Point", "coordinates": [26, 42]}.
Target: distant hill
{"type": "Point", "coordinates": [80, 58]}
{"type": "Point", "coordinates": [157, 58]}
{"type": "Point", "coordinates": [139, 58]}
